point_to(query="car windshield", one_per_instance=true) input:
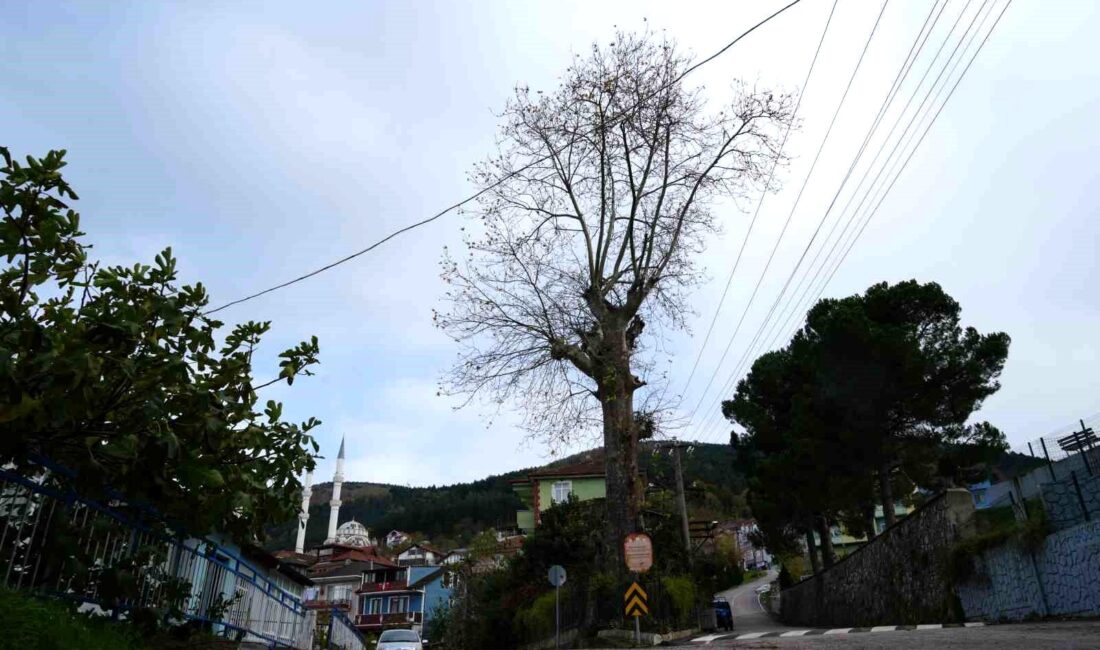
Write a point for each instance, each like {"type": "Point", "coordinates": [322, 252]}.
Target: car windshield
{"type": "Point", "coordinates": [398, 635]}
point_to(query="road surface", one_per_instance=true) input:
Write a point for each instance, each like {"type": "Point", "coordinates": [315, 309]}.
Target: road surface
{"type": "Point", "coordinates": [752, 621]}
{"type": "Point", "coordinates": [748, 613]}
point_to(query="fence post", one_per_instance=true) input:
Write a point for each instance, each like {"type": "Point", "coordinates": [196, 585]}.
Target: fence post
{"type": "Point", "coordinates": [1086, 445]}
{"type": "Point", "coordinates": [1080, 497]}
{"type": "Point", "coordinates": [1050, 465]}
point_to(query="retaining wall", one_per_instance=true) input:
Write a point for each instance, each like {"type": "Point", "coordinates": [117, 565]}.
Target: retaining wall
{"type": "Point", "coordinates": [1060, 579]}
{"type": "Point", "coordinates": [899, 577]}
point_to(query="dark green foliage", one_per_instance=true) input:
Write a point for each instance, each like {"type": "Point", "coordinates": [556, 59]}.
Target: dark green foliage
{"type": "Point", "coordinates": [514, 606]}
{"type": "Point", "coordinates": [118, 374]}
{"type": "Point", "coordinates": [30, 622]}
{"type": "Point", "coordinates": [870, 399]}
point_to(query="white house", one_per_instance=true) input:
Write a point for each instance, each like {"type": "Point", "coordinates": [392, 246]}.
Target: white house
{"type": "Point", "coordinates": [396, 537]}
{"type": "Point", "coordinates": [420, 555]}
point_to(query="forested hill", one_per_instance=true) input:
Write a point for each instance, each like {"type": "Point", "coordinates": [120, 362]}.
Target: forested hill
{"type": "Point", "coordinates": [450, 515]}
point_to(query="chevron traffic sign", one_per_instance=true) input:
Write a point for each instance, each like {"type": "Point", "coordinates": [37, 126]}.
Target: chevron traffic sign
{"type": "Point", "coordinates": [635, 599]}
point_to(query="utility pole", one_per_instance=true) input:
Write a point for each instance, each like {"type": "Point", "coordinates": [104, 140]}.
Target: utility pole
{"type": "Point", "coordinates": [681, 500]}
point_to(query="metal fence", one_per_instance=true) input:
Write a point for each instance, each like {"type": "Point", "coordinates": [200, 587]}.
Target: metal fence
{"type": "Point", "coordinates": [1071, 450]}
{"type": "Point", "coordinates": [114, 558]}
{"type": "Point", "coordinates": [342, 633]}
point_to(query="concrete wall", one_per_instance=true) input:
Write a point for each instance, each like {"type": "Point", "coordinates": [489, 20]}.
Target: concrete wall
{"type": "Point", "coordinates": [1060, 579]}
{"type": "Point", "coordinates": [900, 577]}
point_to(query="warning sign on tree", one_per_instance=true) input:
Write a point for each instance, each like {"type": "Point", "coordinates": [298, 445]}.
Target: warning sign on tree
{"type": "Point", "coordinates": [638, 552]}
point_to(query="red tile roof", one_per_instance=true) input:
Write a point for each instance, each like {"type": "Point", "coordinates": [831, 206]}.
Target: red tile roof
{"type": "Point", "coordinates": [593, 467]}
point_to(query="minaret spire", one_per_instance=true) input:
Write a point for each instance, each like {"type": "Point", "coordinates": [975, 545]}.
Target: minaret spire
{"type": "Point", "coordinates": [334, 505]}
{"type": "Point", "coordinates": [303, 516]}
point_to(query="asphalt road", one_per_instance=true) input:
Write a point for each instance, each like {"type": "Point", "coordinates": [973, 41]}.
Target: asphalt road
{"type": "Point", "coordinates": [748, 613]}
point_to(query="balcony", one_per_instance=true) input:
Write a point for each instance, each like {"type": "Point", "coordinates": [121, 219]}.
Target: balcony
{"type": "Point", "coordinates": [387, 620]}
{"type": "Point", "coordinates": [338, 603]}
{"type": "Point", "coordinates": [392, 585]}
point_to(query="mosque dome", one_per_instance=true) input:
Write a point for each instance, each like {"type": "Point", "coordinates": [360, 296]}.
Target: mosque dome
{"type": "Point", "coordinates": [353, 533]}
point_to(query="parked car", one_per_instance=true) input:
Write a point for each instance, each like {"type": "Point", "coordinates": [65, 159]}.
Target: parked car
{"type": "Point", "coordinates": [401, 640]}
{"type": "Point", "coordinates": [723, 615]}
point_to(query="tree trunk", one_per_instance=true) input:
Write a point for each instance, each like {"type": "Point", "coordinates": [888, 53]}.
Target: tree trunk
{"type": "Point", "coordinates": [828, 557]}
{"type": "Point", "coordinates": [869, 516]}
{"type": "Point", "coordinates": [620, 457]}
{"type": "Point", "coordinates": [886, 493]}
{"type": "Point", "coordinates": [811, 548]}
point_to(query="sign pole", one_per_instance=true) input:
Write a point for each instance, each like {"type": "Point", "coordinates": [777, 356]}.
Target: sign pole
{"type": "Point", "coordinates": [637, 623]}
{"type": "Point", "coordinates": [557, 620]}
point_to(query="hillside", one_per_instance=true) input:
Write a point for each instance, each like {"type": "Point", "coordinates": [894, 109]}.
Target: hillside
{"type": "Point", "coordinates": [451, 515]}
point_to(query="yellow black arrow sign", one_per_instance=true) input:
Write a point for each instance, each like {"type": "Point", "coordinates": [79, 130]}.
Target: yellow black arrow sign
{"type": "Point", "coordinates": [635, 599]}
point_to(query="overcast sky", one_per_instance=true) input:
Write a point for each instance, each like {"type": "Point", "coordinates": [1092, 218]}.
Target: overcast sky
{"type": "Point", "coordinates": [265, 139]}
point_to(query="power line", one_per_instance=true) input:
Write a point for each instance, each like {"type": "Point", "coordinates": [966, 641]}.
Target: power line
{"type": "Point", "coordinates": [794, 207]}
{"type": "Point", "coordinates": [759, 337]}
{"type": "Point", "coordinates": [853, 218]}
{"type": "Point", "coordinates": [500, 180]}
{"type": "Point", "coordinates": [914, 119]}
{"type": "Point", "coordinates": [759, 204]}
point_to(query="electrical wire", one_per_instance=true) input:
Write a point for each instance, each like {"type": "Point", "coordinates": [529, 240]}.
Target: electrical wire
{"type": "Point", "coordinates": [926, 130]}
{"type": "Point", "coordinates": [497, 182]}
{"type": "Point", "coordinates": [790, 215]}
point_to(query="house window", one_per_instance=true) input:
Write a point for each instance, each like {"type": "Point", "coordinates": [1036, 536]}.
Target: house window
{"type": "Point", "coordinates": [375, 606]}
{"type": "Point", "coordinates": [560, 491]}
{"type": "Point", "coordinates": [399, 604]}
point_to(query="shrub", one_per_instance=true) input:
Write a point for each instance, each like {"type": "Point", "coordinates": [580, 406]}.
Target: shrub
{"type": "Point", "coordinates": [537, 621]}
{"type": "Point", "coordinates": [681, 591]}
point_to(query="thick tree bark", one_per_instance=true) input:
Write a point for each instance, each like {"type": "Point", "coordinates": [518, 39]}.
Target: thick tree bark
{"type": "Point", "coordinates": [616, 394]}
{"type": "Point", "coordinates": [811, 548]}
{"type": "Point", "coordinates": [886, 494]}
{"type": "Point", "coordinates": [828, 557]}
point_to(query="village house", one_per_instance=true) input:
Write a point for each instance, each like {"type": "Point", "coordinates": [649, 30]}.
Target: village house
{"type": "Point", "coordinates": [401, 596]}
{"type": "Point", "coordinates": [544, 488]}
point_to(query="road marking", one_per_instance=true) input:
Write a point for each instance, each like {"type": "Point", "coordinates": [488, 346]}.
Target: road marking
{"type": "Point", "coordinates": [884, 628]}
{"type": "Point", "coordinates": [751, 635]}
{"type": "Point", "coordinates": [795, 633]}
{"type": "Point", "coordinates": [931, 626]}
{"type": "Point", "coordinates": [840, 630]}
{"type": "Point", "coordinates": [975, 624]}
{"type": "Point", "coordinates": [708, 638]}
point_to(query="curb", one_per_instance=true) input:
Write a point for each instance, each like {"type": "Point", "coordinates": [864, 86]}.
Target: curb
{"type": "Point", "coordinates": [707, 640]}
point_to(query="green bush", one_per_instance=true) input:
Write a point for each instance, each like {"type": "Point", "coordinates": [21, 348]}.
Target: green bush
{"type": "Point", "coordinates": [537, 621]}
{"type": "Point", "coordinates": [681, 591]}
{"type": "Point", "coordinates": [30, 622]}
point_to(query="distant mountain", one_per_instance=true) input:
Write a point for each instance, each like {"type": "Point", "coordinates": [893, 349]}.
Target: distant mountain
{"type": "Point", "coordinates": [451, 515]}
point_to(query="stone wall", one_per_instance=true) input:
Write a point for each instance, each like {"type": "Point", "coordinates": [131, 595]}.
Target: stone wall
{"type": "Point", "coordinates": [1060, 579]}
{"type": "Point", "coordinates": [900, 577]}
{"type": "Point", "coordinates": [1068, 505]}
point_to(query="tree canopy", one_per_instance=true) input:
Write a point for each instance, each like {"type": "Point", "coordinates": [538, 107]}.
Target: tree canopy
{"type": "Point", "coordinates": [116, 373]}
{"type": "Point", "coordinates": [875, 389]}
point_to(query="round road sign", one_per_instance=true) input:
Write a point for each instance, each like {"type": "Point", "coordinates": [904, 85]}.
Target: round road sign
{"type": "Point", "coordinates": [638, 552]}
{"type": "Point", "coordinates": [557, 575]}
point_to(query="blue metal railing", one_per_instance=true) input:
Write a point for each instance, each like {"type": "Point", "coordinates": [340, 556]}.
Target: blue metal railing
{"type": "Point", "coordinates": [342, 633]}
{"type": "Point", "coordinates": [194, 578]}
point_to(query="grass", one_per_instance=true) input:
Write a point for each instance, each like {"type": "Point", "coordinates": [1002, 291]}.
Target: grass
{"type": "Point", "coordinates": [29, 622]}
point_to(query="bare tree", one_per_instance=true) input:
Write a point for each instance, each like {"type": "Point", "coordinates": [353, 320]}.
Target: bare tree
{"type": "Point", "coordinates": [594, 209]}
